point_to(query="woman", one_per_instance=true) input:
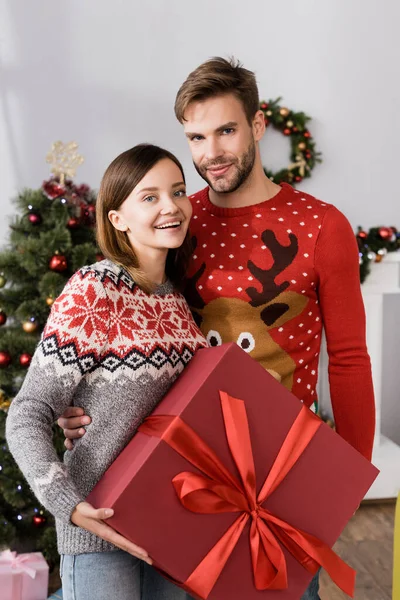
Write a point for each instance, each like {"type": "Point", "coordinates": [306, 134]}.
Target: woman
{"type": "Point", "coordinates": [115, 340]}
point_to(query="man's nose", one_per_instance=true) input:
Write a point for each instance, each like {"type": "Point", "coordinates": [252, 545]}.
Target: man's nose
{"type": "Point", "coordinates": [213, 149]}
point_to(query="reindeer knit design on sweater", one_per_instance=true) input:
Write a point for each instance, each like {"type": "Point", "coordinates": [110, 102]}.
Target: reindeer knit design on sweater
{"type": "Point", "coordinates": [114, 350]}
{"type": "Point", "coordinates": [268, 277]}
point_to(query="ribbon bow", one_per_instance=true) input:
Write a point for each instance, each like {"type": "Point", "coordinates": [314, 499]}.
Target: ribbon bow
{"type": "Point", "coordinates": [300, 164]}
{"type": "Point", "coordinates": [218, 491]}
{"type": "Point", "coordinates": [18, 562]}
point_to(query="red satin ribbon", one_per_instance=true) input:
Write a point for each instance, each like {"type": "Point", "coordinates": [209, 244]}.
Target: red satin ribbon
{"type": "Point", "coordinates": [219, 492]}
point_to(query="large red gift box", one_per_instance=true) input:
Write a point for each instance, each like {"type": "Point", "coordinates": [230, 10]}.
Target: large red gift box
{"type": "Point", "coordinates": [235, 488]}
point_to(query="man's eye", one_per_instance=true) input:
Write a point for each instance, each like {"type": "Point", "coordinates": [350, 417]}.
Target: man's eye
{"type": "Point", "coordinates": [196, 138]}
{"type": "Point", "coordinates": [228, 130]}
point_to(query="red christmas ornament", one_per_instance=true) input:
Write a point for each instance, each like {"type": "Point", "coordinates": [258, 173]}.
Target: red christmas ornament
{"type": "Point", "coordinates": [82, 189]}
{"type": "Point", "coordinates": [3, 317]}
{"type": "Point", "coordinates": [5, 359]}
{"type": "Point", "coordinates": [34, 219]}
{"type": "Point", "coordinates": [385, 233]}
{"type": "Point", "coordinates": [53, 189]}
{"type": "Point", "coordinates": [266, 122]}
{"type": "Point", "coordinates": [73, 222]}
{"type": "Point", "coordinates": [38, 520]}
{"type": "Point", "coordinates": [362, 235]}
{"type": "Point", "coordinates": [287, 131]}
{"type": "Point", "coordinates": [89, 214]}
{"type": "Point", "coordinates": [264, 106]}
{"type": "Point", "coordinates": [298, 178]}
{"type": "Point", "coordinates": [25, 359]}
{"type": "Point", "coordinates": [307, 134]}
{"type": "Point", "coordinates": [58, 263]}
{"type": "Point", "coordinates": [295, 130]}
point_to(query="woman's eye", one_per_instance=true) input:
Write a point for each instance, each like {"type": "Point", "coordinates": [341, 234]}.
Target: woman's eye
{"type": "Point", "coordinates": [149, 199]}
{"type": "Point", "coordinates": [180, 193]}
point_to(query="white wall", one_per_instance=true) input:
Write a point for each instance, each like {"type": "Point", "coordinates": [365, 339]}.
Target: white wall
{"type": "Point", "coordinates": [106, 73]}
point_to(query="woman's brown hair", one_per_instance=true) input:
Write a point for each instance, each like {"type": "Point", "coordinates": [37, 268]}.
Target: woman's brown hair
{"type": "Point", "coordinates": [120, 178]}
{"type": "Point", "coordinates": [217, 77]}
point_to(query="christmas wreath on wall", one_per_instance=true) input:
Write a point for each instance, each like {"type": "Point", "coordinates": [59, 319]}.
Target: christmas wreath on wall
{"type": "Point", "coordinates": [373, 245]}
{"type": "Point", "coordinates": [303, 155]}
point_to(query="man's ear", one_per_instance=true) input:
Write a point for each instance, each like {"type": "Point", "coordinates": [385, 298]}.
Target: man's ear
{"type": "Point", "coordinates": [258, 125]}
{"type": "Point", "coordinates": [117, 221]}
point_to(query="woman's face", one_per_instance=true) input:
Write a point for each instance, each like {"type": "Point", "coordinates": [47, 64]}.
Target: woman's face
{"type": "Point", "coordinates": [157, 212]}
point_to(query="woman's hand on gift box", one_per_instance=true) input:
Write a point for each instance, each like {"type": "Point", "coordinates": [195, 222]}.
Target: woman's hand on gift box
{"type": "Point", "coordinates": [93, 520]}
{"type": "Point", "coordinates": [72, 422]}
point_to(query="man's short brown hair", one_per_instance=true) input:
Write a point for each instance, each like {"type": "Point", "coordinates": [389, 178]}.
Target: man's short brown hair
{"type": "Point", "coordinates": [217, 77]}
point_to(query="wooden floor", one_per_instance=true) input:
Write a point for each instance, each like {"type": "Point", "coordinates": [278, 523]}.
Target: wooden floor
{"type": "Point", "coordinates": [367, 545]}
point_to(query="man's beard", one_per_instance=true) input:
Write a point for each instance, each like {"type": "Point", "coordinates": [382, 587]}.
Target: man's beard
{"type": "Point", "coordinates": [243, 170]}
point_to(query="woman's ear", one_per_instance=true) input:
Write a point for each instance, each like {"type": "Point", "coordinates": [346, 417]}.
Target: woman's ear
{"type": "Point", "coordinates": [117, 221]}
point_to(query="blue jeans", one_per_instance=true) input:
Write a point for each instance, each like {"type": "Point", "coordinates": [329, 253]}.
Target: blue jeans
{"type": "Point", "coordinates": [120, 576]}
{"type": "Point", "coordinates": [113, 575]}
{"type": "Point", "coordinates": [311, 592]}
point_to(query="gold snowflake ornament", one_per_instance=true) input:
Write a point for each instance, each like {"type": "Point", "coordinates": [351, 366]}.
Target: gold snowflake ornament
{"type": "Point", "coordinates": [64, 160]}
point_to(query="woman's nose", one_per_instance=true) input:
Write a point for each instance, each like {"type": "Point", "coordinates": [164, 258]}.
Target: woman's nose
{"type": "Point", "coordinates": [169, 206]}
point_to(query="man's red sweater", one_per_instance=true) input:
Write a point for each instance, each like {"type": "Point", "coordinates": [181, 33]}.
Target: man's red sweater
{"type": "Point", "coordinates": [270, 277]}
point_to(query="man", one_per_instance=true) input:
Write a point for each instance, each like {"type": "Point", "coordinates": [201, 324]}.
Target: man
{"type": "Point", "coordinates": [272, 266]}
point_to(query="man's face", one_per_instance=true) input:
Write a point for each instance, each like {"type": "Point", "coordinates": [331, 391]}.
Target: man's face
{"type": "Point", "coordinates": [221, 141]}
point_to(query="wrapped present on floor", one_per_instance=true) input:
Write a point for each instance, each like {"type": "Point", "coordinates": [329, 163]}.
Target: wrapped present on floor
{"type": "Point", "coordinates": [235, 488]}
{"type": "Point", "coordinates": [23, 576]}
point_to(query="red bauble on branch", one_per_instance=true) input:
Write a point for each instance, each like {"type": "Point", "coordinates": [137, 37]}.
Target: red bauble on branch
{"type": "Point", "coordinates": [34, 219]}
{"type": "Point", "coordinates": [53, 189]}
{"type": "Point", "coordinates": [39, 520]}
{"type": "Point", "coordinates": [386, 233]}
{"type": "Point", "coordinates": [25, 359]}
{"type": "Point", "coordinates": [5, 359]}
{"type": "Point", "coordinates": [58, 263]}
{"type": "Point", "coordinates": [73, 222]}
{"type": "Point", "coordinates": [3, 317]}
{"type": "Point", "coordinates": [88, 213]}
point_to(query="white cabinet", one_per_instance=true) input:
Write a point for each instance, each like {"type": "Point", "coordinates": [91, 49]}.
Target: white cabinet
{"type": "Point", "coordinates": [381, 293]}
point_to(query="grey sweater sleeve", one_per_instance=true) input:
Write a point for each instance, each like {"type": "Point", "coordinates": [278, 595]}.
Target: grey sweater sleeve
{"type": "Point", "coordinates": [49, 386]}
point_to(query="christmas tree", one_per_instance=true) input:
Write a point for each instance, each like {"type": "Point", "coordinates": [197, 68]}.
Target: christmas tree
{"type": "Point", "coordinates": [50, 238]}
